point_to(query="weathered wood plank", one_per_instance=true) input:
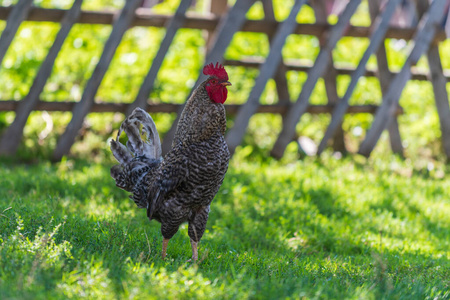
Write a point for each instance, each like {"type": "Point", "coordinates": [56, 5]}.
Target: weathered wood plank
{"type": "Point", "coordinates": [82, 108]}
{"type": "Point", "coordinates": [172, 27]}
{"type": "Point", "coordinates": [267, 71]}
{"type": "Point", "coordinates": [438, 81]}
{"type": "Point", "coordinates": [227, 27]}
{"type": "Point", "coordinates": [145, 17]}
{"type": "Point", "coordinates": [280, 73]}
{"type": "Point", "coordinates": [322, 61]}
{"type": "Point", "coordinates": [218, 8]}
{"type": "Point", "coordinates": [225, 31]}
{"type": "Point", "coordinates": [11, 138]}
{"type": "Point", "coordinates": [280, 79]}
{"type": "Point", "coordinates": [426, 31]}
{"type": "Point", "coordinates": [232, 109]}
{"type": "Point", "coordinates": [377, 37]}
{"type": "Point", "coordinates": [330, 80]}
{"type": "Point", "coordinates": [330, 77]}
{"type": "Point", "coordinates": [440, 96]}
{"type": "Point", "coordinates": [439, 86]}
{"type": "Point", "coordinates": [385, 76]}
{"type": "Point", "coordinates": [19, 13]}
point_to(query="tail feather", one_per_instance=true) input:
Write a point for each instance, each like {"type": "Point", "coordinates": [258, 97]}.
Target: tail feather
{"type": "Point", "coordinates": [151, 144]}
{"type": "Point", "coordinates": [131, 129]}
{"type": "Point", "coordinates": [141, 154]}
{"type": "Point", "coordinates": [120, 152]}
{"type": "Point", "coordinates": [143, 138]}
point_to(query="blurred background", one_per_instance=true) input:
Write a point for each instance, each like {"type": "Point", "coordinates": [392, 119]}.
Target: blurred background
{"type": "Point", "coordinates": [419, 124]}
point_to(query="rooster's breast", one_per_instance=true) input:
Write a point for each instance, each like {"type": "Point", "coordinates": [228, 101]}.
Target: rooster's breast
{"type": "Point", "coordinates": [208, 163]}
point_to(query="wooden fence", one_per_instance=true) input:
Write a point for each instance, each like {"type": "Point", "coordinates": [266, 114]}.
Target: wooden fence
{"type": "Point", "coordinates": [425, 28]}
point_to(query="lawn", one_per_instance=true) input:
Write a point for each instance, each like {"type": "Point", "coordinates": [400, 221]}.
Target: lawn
{"type": "Point", "coordinates": [311, 229]}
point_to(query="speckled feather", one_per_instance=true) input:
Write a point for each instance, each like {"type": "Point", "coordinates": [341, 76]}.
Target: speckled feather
{"type": "Point", "coordinates": [181, 186]}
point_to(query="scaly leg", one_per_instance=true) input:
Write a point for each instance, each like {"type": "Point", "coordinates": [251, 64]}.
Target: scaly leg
{"type": "Point", "coordinates": [164, 247]}
{"type": "Point", "coordinates": [194, 250]}
{"type": "Point", "coordinates": [196, 228]}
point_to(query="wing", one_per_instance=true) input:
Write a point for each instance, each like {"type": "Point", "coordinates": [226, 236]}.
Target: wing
{"type": "Point", "coordinates": [174, 171]}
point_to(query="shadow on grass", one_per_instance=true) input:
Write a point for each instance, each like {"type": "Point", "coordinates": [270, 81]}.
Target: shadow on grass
{"type": "Point", "coordinates": [281, 232]}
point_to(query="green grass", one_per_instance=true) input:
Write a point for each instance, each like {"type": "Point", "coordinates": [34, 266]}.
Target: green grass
{"type": "Point", "coordinates": [313, 229]}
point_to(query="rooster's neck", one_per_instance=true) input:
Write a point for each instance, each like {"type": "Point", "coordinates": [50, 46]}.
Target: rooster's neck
{"type": "Point", "coordinates": [201, 118]}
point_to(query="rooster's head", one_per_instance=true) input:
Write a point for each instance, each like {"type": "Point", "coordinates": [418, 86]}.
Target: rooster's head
{"type": "Point", "coordinates": [217, 83]}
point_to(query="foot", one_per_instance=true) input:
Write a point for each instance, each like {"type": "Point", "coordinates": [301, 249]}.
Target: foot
{"type": "Point", "coordinates": [164, 247]}
{"type": "Point", "coordinates": [194, 251]}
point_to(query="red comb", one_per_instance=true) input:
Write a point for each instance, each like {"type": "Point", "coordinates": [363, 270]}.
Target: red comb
{"type": "Point", "coordinates": [218, 71]}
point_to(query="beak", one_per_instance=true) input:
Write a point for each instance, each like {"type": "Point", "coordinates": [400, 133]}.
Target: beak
{"type": "Point", "coordinates": [225, 83]}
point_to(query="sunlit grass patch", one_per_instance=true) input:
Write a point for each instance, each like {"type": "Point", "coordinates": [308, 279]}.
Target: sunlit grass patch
{"type": "Point", "coordinates": [329, 228]}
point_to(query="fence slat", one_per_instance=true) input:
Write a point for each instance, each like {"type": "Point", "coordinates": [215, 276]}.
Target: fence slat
{"type": "Point", "coordinates": [384, 77]}
{"type": "Point", "coordinates": [438, 81]}
{"type": "Point", "coordinates": [82, 108]}
{"type": "Point", "coordinates": [235, 134]}
{"type": "Point", "coordinates": [440, 96]}
{"type": "Point", "coordinates": [11, 138]}
{"type": "Point", "coordinates": [280, 73]}
{"type": "Point", "coordinates": [330, 80]}
{"type": "Point", "coordinates": [384, 115]}
{"type": "Point", "coordinates": [379, 29]}
{"type": "Point", "coordinates": [145, 17]}
{"type": "Point", "coordinates": [218, 8]}
{"type": "Point", "coordinates": [330, 77]}
{"type": "Point", "coordinates": [298, 66]}
{"type": "Point", "coordinates": [17, 14]}
{"type": "Point", "coordinates": [322, 60]}
{"type": "Point", "coordinates": [280, 79]}
{"type": "Point", "coordinates": [172, 27]}
{"type": "Point", "coordinates": [232, 109]}
{"type": "Point", "coordinates": [225, 31]}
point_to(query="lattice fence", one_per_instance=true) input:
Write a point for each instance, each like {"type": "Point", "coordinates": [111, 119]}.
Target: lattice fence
{"type": "Point", "coordinates": [423, 23]}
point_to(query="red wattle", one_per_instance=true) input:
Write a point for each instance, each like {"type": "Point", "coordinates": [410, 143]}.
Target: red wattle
{"type": "Point", "coordinates": [218, 94]}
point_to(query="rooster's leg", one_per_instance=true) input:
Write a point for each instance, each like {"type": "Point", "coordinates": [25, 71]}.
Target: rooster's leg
{"type": "Point", "coordinates": [164, 247]}
{"type": "Point", "coordinates": [194, 250]}
{"type": "Point", "coordinates": [196, 228]}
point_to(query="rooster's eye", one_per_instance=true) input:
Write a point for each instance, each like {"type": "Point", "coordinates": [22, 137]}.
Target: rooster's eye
{"type": "Point", "coordinates": [213, 81]}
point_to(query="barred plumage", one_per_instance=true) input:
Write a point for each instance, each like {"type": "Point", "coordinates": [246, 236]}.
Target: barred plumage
{"type": "Point", "coordinates": [179, 187]}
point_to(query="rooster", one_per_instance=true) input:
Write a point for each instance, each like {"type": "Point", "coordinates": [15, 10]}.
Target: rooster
{"type": "Point", "coordinates": [180, 186]}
